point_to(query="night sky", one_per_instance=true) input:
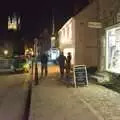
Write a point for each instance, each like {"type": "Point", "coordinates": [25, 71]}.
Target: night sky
{"type": "Point", "coordinates": [37, 14]}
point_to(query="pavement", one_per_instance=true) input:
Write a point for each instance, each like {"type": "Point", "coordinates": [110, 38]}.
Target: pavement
{"type": "Point", "coordinates": [53, 100]}
{"type": "Point", "coordinates": [5, 70]}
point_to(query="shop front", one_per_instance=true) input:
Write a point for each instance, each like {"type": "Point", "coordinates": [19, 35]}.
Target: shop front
{"type": "Point", "coordinates": [113, 49]}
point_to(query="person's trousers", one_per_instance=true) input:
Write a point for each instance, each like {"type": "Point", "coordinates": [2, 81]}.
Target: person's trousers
{"type": "Point", "coordinates": [44, 68]}
{"type": "Point", "coordinates": [68, 69]}
{"type": "Point", "coordinates": [62, 71]}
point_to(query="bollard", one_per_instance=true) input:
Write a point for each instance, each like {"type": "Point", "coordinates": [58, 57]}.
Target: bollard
{"type": "Point", "coordinates": [36, 74]}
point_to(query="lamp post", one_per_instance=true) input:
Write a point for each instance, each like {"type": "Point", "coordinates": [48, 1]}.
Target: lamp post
{"type": "Point", "coordinates": [36, 67]}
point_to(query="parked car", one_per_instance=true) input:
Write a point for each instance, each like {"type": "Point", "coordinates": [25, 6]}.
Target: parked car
{"type": "Point", "coordinates": [20, 64]}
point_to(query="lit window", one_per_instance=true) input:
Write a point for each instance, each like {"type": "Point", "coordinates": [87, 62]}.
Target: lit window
{"type": "Point", "coordinates": [113, 50]}
{"type": "Point", "coordinates": [68, 31]}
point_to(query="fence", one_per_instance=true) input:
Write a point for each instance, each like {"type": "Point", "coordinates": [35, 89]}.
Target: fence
{"type": "Point", "coordinates": [5, 63]}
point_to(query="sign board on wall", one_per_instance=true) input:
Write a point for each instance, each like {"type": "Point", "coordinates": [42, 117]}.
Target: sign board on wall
{"type": "Point", "coordinates": [97, 25]}
{"type": "Point", "coordinates": [80, 75]}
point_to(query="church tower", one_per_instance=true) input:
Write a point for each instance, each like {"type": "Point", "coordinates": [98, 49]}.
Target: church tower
{"type": "Point", "coordinates": [53, 37]}
{"type": "Point", "coordinates": [14, 33]}
{"type": "Point", "coordinates": [14, 23]}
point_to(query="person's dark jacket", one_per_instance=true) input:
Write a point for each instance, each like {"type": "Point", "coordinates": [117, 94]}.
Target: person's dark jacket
{"type": "Point", "coordinates": [68, 62]}
{"type": "Point", "coordinates": [44, 59]}
{"type": "Point", "coordinates": [62, 60]}
{"type": "Point", "coordinates": [68, 59]}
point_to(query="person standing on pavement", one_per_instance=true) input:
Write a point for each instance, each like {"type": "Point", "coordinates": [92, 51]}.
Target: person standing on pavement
{"type": "Point", "coordinates": [44, 66]}
{"type": "Point", "coordinates": [68, 64]}
{"type": "Point", "coordinates": [62, 61]}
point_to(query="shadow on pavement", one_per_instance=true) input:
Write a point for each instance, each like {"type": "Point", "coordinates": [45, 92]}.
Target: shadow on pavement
{"type": "Point", "coordinates": [54, 80]}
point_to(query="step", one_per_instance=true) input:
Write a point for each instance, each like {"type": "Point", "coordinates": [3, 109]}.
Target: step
{"type": "Point", "coordinates": [96, 77]}
{"type": "Point", "coordinates": [101, 74]}
{"type": "Point", "coordinates": [100, 79]}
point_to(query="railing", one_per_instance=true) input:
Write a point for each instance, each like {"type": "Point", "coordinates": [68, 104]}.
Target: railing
{"type": "Point", "coordinates": [5, 63]}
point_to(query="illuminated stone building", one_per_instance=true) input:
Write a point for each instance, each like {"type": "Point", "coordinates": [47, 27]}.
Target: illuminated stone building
{"type": "Point", "coordinates": [92, 29]}
{"type": "Point", "coordinates": [14, 23]}
{"type": "Point", "coordinates": [53, 37]}
{"type": "Point", "coordinates": [79, 39]}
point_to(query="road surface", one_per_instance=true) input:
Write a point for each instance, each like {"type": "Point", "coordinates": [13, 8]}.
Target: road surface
{"type": "Point", "coordinates": [13, 95]}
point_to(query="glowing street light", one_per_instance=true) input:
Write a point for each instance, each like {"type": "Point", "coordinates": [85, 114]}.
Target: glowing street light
{"type": "Point", "coordinates": [5, 52]}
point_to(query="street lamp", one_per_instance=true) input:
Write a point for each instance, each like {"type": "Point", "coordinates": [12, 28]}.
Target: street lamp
{"type": "Point", "coordinates": [36, 47]}
{"type": "Point", "coordinates": [5, 52]}
{"type": "Point", "coordinates": [36, 54]}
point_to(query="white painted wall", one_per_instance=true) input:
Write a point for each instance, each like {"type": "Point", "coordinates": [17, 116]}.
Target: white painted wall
{"type": "Point", "coordinates": [67, 38]}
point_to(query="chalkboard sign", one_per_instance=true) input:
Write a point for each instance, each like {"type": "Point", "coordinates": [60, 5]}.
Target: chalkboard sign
{"type": "Point", "coordinates": [80, 75]}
